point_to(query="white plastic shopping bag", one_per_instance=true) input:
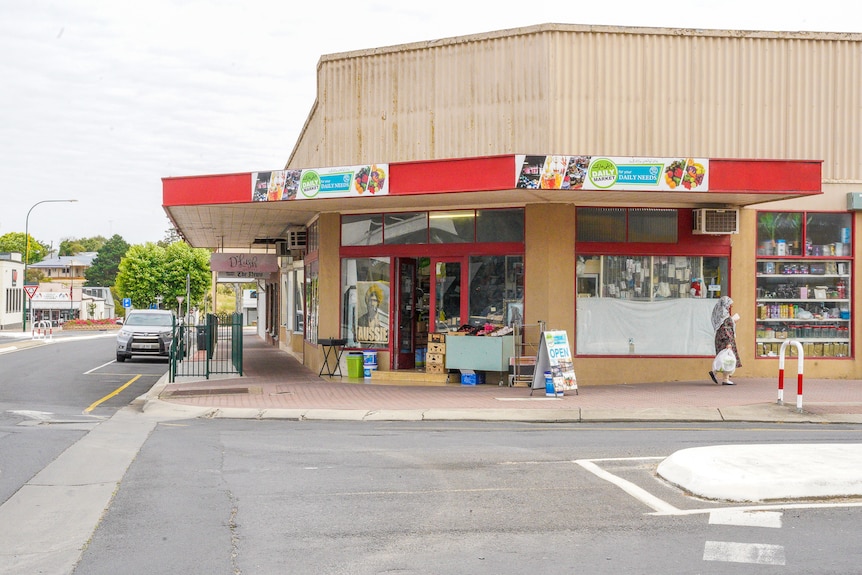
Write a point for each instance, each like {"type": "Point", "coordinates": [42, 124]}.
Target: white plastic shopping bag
{"type": "Point", "coordinates": [725, 361]}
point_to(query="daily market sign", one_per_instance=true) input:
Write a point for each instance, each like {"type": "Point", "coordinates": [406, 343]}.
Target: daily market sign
{"type": "Point", "coordinates": [244, 267]}
{"type": "Point", "coordinates": [612, 173]}
{"type": "Point", "coordinates": [338, 182]}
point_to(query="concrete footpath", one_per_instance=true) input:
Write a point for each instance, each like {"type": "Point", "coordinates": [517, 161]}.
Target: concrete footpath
{"type": "Point", "coordinates": [277, 385]}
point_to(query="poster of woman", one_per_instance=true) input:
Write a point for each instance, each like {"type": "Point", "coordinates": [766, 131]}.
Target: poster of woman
{"type": "Point", "coordinates": [372, 319]}
{"type": "Point", "coordinates": [514, 314]}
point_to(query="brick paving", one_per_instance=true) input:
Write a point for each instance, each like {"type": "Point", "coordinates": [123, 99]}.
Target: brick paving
{"type": "Point", "coordinates": [274, 379]}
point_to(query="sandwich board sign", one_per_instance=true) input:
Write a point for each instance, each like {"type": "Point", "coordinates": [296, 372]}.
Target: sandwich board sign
{"type": "Point", "coordinates": [555, 356]}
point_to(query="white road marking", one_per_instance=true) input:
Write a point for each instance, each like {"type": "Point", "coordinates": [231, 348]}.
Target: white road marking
{"type": "Point", "coordinates": [746, 518]}
{"type": "Point", "coordinates": [638, 493]}
{"type": "Point", "coordinates": [758, 553]}
{"type": "Point", "coordinates": [99, 367]}
{"type": "Point", "coordinates": [663, 508]}
{"type": "Point", "coordinates": [38, 415]}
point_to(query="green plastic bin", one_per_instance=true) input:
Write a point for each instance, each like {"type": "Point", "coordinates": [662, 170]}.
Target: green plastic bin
{"type": "Point", "coordinates": [355, 368]}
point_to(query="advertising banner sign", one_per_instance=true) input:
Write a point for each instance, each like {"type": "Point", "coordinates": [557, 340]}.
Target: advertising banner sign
{"type": "Point", "coordinates": [616, 174]}
{"type": "Point", "coordinates": [335, 182]}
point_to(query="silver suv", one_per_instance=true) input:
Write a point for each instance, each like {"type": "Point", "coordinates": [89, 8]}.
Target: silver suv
{"type": "Point", "coordinates": [146, 332]}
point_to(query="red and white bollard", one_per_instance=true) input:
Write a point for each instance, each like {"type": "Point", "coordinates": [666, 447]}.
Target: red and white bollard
{"type": "Point", "coordinates": [799, 373]}
{"type": "Point", "coordinates": [43, 330]}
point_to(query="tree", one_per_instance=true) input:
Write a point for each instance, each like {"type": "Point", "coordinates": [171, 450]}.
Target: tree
{"type": "Point", "coordinates": [171, 236]}
{"type": "Point", "coordinates": [150, 270]}
{"type": "Point", "coordinates": [73, 246]}
{"type": "Point", "coordinates": [17, 242]}
{"type": "Point", "coordinates": [105, 267]}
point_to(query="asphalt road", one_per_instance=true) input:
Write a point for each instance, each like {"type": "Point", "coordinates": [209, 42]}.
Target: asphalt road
{"type": "Point", "coordinates": [89, 486]}
{"type": "Point", "coordinates": [260, 497]}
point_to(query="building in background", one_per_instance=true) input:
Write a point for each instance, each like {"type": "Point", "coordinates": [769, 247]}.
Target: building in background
{"type": "Point", "coordinates": [11, 291]}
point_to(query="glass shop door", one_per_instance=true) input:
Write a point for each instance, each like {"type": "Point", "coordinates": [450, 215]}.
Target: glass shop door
{"type": "Point", "coordinates": [406, 314]}
{"type": "Point", "coordinates": [447, 308]}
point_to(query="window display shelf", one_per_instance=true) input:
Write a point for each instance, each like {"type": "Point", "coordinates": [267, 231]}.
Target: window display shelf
{"type": "Point", "coordinates": [810, 276]}
{"type": "Point", "coordinates": [806, 300]}
{"type": "Point", "coordinates": [796, 319]}
{"type": "Point", "coordinates": [804, 339]}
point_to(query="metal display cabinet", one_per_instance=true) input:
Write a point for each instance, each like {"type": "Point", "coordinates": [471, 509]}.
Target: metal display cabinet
{"type": "Point", "coordinates": [805, 300]}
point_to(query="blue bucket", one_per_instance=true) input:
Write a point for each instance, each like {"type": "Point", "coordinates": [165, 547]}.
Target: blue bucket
{"type": "Point", "coordinates": [550, 391]}
{"type": "Point", "coordinates": [369, 358]}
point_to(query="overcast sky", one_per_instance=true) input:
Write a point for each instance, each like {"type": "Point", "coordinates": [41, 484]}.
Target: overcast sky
{"type": "Point", "coordinates": [100, 99]}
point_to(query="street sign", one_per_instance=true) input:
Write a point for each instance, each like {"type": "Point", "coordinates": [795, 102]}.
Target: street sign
{"type": "Point", "coordinates": [31, 290]}
{"type": "Point", "coordinates": [127, 302]}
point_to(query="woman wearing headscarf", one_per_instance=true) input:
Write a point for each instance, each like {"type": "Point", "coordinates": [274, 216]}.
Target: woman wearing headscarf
{"type": "Point", "coordinates": [724, 325]}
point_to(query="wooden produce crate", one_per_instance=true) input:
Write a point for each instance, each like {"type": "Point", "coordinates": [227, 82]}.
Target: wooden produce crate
{"type": "Point", "coordinates": [434, 347]}
{"type": "Point", "coordinates": [434, 368]}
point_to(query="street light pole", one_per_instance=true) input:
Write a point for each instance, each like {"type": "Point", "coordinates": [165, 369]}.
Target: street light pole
{"type": "Point", "coordinates": [27, 252]}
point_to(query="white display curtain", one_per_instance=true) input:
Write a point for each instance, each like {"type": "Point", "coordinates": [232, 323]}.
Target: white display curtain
{"type": "Point", "coordinates": [606, 326]}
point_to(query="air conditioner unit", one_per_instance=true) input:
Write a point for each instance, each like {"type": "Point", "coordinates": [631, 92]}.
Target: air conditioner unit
{"type": "Point", "coordinates": [713, 221]}
{"type": "Point", "coordinates": [296, 239]}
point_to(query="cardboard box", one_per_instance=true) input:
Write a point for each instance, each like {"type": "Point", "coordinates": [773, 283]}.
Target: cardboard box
{"type": "Point", "coordinates": [436, 347]}
{"type": "Point", "coordinates": [434, 367]}
{"type": "Point", "coordinates": [436, 338]}
{"type": "Point", "coordinates": [435, 358]}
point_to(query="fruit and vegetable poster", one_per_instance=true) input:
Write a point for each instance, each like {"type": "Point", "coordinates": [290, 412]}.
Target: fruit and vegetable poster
{"type": "Point", "coordinates": [554, 355]}
{"type": "Point", "coordinates": [337, 182]}
{"type": "Point", "coordinates": [598, 173]}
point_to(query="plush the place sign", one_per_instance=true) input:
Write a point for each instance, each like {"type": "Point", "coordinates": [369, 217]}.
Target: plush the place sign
{"type": "Point", "coordinates": [249, 264]}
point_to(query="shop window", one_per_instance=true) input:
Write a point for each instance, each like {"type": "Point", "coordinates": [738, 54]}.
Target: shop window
{"type": "Point", "coordinates": [416, 228]}
{"type": "Point", "coordinates": [362, 230]}
{"type": "Point", "coordinates": [647, 305]}
{"type": "Point", "coordinates": [365, 302]}
{"type": "Point", "coordinates": [601, 224]}
{"type": "Point", "coordinates": [292, 308]}
{"type": "Point", "coordinates": [804, 280]}
{"type": "Point", "coordinates": [642, 225]}
{"type": "Point", "coordinates": [455, 227]}
{"type": "Point", "coordinates": [312, 299]}
{"type": "Point", "coordinates": [652, 226]}
{"type": "Point", "coordinates": [496, 290]}
{"type": "Point", "coordinates": [313, 237]}
{"type": "Point", "coordinates": [828, 234]}
{"type": "Point", "coordinates": [298, 304]}
{"type": "Point", "coordinates": [406, 228]}
{"type": "Point", "coordinates": [779, 233]}
{"type": "Point", "coordinates": [500, 225]}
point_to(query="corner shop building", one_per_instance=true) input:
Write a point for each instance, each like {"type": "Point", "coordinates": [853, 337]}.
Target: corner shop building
{"type": "Point", "coordinates": [413, 180]}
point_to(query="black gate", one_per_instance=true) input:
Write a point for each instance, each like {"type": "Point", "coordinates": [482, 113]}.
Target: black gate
{"type": "Point", "coordinates": [212, 347]}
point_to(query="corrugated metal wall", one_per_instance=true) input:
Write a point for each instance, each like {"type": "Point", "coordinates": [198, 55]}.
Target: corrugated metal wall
{"type": "Point", "coordinates": [594, 90]}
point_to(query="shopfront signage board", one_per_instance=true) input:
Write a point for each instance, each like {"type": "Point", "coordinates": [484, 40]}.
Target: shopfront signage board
{"type": "Point", "coordinates": [554, 355]}
{"type": "Point", "coordinates": [598, 173]}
